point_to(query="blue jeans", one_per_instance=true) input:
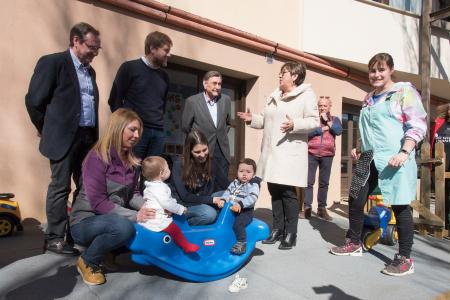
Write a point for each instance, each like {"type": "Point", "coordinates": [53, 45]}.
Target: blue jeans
{"type": "Point", "coordinates": [152, 142]}
{"type": "Point", "coordinates": [202, 214]}
{"type": "Point", "coordinates": [102, 234]}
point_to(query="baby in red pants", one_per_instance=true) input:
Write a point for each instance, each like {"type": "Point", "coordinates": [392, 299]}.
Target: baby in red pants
{"type": "Point", "coordinates": [158, 196]}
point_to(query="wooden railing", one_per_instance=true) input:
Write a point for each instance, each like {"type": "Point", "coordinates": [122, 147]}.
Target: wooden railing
{"type": "Point", "coordinates": [430, 222]}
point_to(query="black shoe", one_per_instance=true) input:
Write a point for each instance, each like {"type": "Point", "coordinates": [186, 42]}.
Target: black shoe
{"type": "Point", "coordinates": [289, 241]}
{"type": "Point", "coordinates": [60, 247]}
{"type": "Point", "coordinates": [275, 235]}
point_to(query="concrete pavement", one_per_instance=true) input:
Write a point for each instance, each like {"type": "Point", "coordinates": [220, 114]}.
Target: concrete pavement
{"type": "Point", "coordinates": [306, 272]}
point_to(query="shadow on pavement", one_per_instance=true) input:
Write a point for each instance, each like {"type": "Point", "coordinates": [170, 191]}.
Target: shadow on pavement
{"type": "Point", "coordinates": [52, 287]}
{"type": "Point", "coordinates": [339, 209]}
{"type": "Point", "coordinates": [264, 214]}
{"type": "Point", "coordinates": [380, 256]}
{"type": "Point", "coordinates": [329, 231]}
{"type": "Point", "coordinates": [22, 244]}
{"type": "Point", "coordinates": [128, 266]}
{"type": "Point", "coordinates": [336, 293]}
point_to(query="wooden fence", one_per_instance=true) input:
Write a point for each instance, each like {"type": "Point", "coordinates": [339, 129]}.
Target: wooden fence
{"type": "Point", "coordinates": [429, 222]}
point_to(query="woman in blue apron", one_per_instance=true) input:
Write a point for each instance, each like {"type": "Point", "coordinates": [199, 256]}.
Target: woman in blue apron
{"type": "Point", "coordinates": [392, 123]}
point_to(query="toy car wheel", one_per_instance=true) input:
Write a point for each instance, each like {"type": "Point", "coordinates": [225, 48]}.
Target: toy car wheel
{"type": "Point", "coordinates": [6, 226]}
{"type": "Point", "coordinates": [390, 238]}
{"type": "Point", "coordinates": [364, 238]}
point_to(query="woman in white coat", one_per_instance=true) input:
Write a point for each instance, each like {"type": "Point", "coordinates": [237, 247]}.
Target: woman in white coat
{"type": "Point", "coordinates": [289, 115]}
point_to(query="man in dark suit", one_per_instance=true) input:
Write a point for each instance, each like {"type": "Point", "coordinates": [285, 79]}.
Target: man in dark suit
{"type": "Point", "coordinates": [209, 112]}
{"type": "Point", "coordinates": [62, 102]}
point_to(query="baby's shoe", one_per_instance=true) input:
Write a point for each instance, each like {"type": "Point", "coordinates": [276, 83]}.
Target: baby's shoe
{"type": "Point", "coordinates": [238, 284]}
{"type": "Point", "coordinates": [239, 248]}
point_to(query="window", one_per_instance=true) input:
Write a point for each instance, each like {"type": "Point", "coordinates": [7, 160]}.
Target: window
{"type": "Point", "coordinates": [412, 6]}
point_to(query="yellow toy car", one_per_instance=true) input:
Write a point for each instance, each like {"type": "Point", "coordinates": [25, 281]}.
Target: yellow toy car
{"type": "Point", "coordinates": [9, 215]}
{"type": "Point", "coordinates": [379, 224]}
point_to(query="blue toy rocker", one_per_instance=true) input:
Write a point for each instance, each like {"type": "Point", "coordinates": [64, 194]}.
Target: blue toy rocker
{"type": "Point", "coordinates": [213, 260]}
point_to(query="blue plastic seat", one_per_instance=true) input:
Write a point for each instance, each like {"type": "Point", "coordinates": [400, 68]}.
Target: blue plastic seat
{"type": "Point", "coordinates": [213, 261]}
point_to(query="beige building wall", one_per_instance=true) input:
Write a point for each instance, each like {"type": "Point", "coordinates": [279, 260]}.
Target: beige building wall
{"type": "Point", "coordinates": [280, 21]}
{"type": "Point", "coordinates": [38, 27]}
{"type": "Point", "coordinates": [360, 29]}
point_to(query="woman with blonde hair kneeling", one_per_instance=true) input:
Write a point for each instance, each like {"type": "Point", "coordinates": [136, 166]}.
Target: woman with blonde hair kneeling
{"type": "Point", "coordinates": [109, 202]}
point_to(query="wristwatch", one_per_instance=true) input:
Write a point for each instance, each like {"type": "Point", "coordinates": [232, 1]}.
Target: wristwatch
{"type": "Point", "coordinates": [404, 151]}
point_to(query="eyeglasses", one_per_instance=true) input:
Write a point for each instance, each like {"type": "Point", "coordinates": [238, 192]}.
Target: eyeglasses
{"type": "Point", "coordinates": [282, 73]}
{"type": "Point", "coordinates": [93, 47]}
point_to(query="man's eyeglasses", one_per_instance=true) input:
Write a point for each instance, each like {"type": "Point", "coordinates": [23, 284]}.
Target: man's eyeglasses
{"type": "Point", "coordinates": [93, 47]}
{"type": "Point", "coordinates": [283, 72]}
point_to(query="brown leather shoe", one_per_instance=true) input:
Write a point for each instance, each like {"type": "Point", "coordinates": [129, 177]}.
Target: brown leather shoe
{"type": "Point", "coordinates": [90, 275]}
{"type": "Point", "coordinates": [305, 214]}
{"type": "Point", "coordinates": [323, 214]}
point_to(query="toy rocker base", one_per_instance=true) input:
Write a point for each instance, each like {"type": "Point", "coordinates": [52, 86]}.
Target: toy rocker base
{"type": "Point", "coordinates": [213, 260]}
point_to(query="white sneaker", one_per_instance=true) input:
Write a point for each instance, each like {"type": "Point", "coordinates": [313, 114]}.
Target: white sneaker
{"type": "Point", "coordinates": [238, 284]}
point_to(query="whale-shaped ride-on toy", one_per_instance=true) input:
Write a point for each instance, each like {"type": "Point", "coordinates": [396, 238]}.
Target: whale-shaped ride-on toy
{"type": "Point", "coordinates": [213, 260]}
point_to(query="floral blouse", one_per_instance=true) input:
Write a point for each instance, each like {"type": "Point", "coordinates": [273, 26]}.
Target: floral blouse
{"type": "Point", "coordinates": [406, 106]}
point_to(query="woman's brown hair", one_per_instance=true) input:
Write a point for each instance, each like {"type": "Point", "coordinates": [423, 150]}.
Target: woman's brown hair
{"type": "Point", "coordinates": [442, 111]}
{"type": "Point", "coordinates": [295, 68]}
{"type": "Point", "coordinates": [381, 57]}
{"type": "Point", "coordinates": [192, 171]}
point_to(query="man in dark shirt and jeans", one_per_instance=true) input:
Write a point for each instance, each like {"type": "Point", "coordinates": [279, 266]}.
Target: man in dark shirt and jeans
{"type": "Point", "coordinates": [321, 150]}
{"type": "Point", "coordinates": [142, 86]}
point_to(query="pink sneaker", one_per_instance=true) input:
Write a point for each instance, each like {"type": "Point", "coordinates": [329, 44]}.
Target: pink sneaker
{"type": "Point", "coordinates": [400, 266]}
{"type": "Point", "coordinates": [349, 248]}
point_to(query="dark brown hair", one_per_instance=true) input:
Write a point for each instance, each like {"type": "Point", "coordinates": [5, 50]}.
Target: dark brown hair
{"type": "Point", "coordinates": [295, 68]}
{"type": "Point", "coordinates": [152, 166]}
{"type": "Point", "coordinates": [156, 39]}
{"type": "Point", "coordinates": [80, 30]}
{"type": "Point", "coordinates": [192, 170]}
{"type": "Point", "coordinates": [248, 161]}
{"type": "Point", "coordinates": [381, 57]}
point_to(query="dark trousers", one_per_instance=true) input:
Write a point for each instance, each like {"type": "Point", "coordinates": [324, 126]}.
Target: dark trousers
{"type": "Point", "coordinates": [59, 188]}
{"type": "Point", "coordinates": [102, 234]}
{"type": "Point", "coordinates": [403, 215]}
{"type": "Point", "coordinates": [240, 223]}
{"type": "Point", "coordinates": [285, 207]}
{"type": "Point", "coordinates": [220, 166]}
{"type": "Point", "coordinates": [152, 143]}
{"type": "Point", "coordinates": [324, 164]}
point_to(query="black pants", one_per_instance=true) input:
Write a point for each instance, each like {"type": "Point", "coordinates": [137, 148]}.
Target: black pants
{"type": "Point", "coordinates": [220, 166]}
{"type": "Point", "coordinates": [59, 188]}
{"type": "Point", "coordinates": [324, 164]}
{"type": "Point", "coordinates": [403, 215]}
{"type": "Point", "coordinates": [240, 223]}
{"type": "Point", "coordinates": [285, 207]}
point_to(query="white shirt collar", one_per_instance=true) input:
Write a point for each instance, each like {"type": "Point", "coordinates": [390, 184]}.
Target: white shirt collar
{"type": "Point", "coordinates": [148, 63]}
